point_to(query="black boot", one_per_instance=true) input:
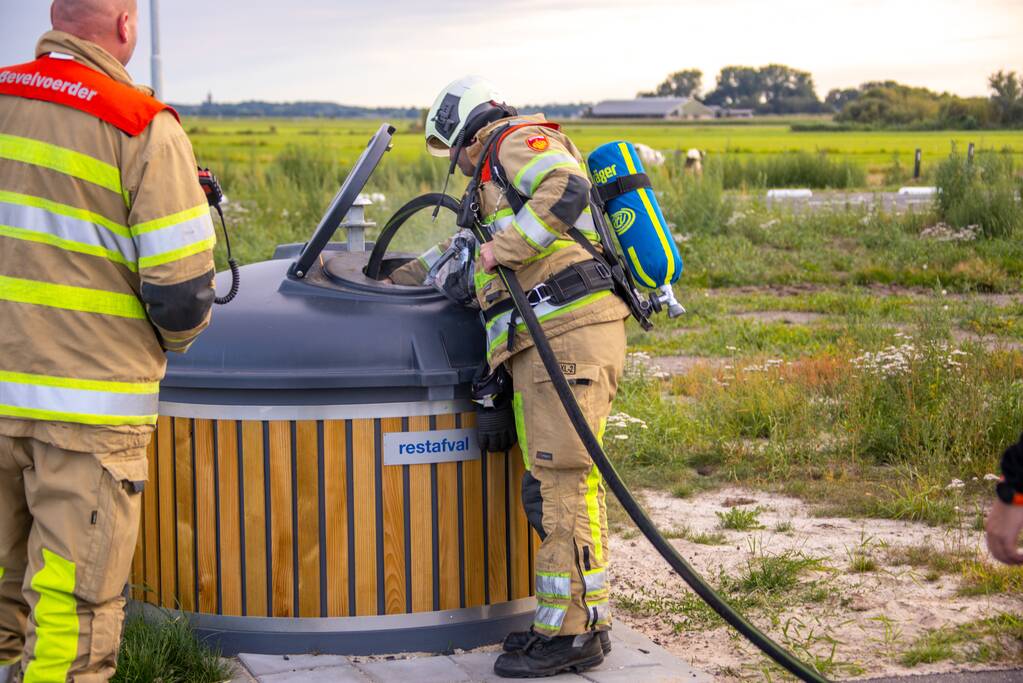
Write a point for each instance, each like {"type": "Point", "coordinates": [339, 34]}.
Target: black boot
{"type": "Point", "coordinates": [518, 639]}
{"type": "Point", "coordinates": [542, 657]}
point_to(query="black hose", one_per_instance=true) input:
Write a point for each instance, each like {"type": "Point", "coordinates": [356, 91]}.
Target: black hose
{"type": "Point", "coordinates": [621, 492]}
{"type": "Point", "coordinates": [431, 200]}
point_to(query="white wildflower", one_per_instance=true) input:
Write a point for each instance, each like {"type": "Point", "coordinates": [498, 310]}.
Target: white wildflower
{"type": "Point", "coordinates": [955, 485]}
{"type": "Point", "coordinates": [991, 477]}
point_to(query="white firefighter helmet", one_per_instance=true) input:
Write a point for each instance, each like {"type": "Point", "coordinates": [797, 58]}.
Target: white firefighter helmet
{"type": "Point", "coordinates": [462, 102]}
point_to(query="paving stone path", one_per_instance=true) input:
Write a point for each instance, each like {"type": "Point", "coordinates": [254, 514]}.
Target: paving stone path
{"type": "Point", "coordinates": [633, 659]}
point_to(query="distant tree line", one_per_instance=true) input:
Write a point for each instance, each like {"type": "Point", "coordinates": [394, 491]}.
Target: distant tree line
{"type": "Point", "coordinates": [780, 89]}
{"type": "Point", "coordinates": [326, 110]}
{"type": "Point", "coordinates": [892, 104]}
{"type": "Point", "coordinates": [771, 89]}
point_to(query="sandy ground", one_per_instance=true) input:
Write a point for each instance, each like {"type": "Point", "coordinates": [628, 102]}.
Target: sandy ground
{"type": "Point", "coordinates": [869, 618]}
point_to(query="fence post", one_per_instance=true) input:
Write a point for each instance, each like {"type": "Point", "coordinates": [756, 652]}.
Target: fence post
{"type": "Point", "coordinates": [969, 154]}
{"type": "Point", "coordinates": [916, 163]}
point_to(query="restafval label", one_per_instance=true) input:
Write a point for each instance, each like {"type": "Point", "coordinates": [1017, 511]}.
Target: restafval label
{"type": "Point", "coordinates": [540, 143]}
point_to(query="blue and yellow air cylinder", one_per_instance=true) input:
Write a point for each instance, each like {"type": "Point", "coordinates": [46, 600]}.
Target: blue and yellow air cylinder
{"type": "Point", "coordinates": [635, 216]}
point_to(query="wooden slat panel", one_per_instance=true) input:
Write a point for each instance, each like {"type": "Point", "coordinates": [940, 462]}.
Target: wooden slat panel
{"type": "Point", "coordinates": [281, 540]}
{"type": "Point", "coordinates": [447, 522]}
{"type": "Point", "coordinates": [185, 520]}
{"type": "Point", "coordinates": [152, 548]}
{"type": "Point", "coordinates": [230, 526]}
{"type": "Point", "coordinates": [255, 519]}
{"type": "Point", "coordinates": [475, 564]}
{"type": "Point", "coordinates": [160, 561]}
{"type": "Point", "coordinates": [472, 503]}
{"type": "Point", "coordinates": [497, 563]}
{"type": "Point", "coordinates": [308, 473]}
{"type": "Point", "coordinates": [421, 519]}
{"type": "Point", "coordinates": [206, 524]}
{"type": "Point", "coordinates": [394, 530]}
{"type": "Point", "coordinates": [364, 509]}
{"type": "Point", "coordinates": [335, 491]}
{"type": "Point", "coordinates": [519, 528]}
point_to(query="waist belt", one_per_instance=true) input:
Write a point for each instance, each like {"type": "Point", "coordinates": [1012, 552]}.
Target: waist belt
{"type": "Point", "coordinates": [556, 292]}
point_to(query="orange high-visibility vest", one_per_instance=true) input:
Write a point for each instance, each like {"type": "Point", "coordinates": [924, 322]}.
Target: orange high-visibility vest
{"type": "Point", "coordinates": [68, 83]}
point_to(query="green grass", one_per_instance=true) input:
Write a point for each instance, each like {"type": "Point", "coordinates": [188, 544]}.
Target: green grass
{"type": "Point", "coordinates": [261, 139]}
{"type": "Point", "coordinates": [739, 519]}
{"type": "Point", "coordinates": [166, 650]}
{"type": "Point", "coordinates": [983, 641]}
{"type": "Point", "coordinates": [773, 574]}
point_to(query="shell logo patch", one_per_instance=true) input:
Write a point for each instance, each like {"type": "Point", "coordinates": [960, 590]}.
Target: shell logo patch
{"type": "Point", "coordinates": [540, 143]}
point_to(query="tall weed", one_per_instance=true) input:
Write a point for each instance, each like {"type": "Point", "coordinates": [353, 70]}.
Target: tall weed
{"type": "Point", "coordinates": [983, 192]}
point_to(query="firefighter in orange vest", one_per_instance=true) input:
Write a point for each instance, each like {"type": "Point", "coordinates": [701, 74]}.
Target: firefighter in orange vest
{"type": "Point", "coordinates": [105, 264]}
{"type": "Point", "coordinates": [549, 241]}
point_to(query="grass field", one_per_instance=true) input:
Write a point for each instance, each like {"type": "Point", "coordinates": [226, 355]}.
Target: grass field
{"type": "Point", "coordinates": [856, 282]}
{"type": "Point", "coordinates": [260, 140]}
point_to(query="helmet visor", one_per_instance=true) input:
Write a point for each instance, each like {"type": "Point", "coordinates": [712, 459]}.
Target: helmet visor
{"type": "Point", "coordinates": [436, 147]}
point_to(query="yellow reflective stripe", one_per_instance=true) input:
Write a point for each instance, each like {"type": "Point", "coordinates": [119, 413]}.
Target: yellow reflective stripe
{"type": "Point", "coordinates": [661, 233]}
{"type": "Point", "coordinates": [61, 160]}
{"type": "Point", "coordinates": [500, 214]}
{"type": "Point", "coordinates": [177, 254]}
{"type": "Point", "coordinates": [71, 298]}
{"type": "Point", "coordinates": [66, 245]}
{"type": "Point", "coordinates": [647, 280]}
{"type": "Point", "coordinates": [532, 174]}
{"type": "Point", "coordinates": [65, 210]}
{"type": "Point", "coordinates": [56, 620]}
{"type": "Point", "coordinates": [593, 512]}
{"type": "Point", "coordinates": [83, 384]}
{"type": "Point", "coordinates": [77, 418]}
{"type": "Point", "coordinates": [482, 278]}
{"type": "Point", "coordinates": [172, 219]}
{"type": "Point", "coordinates": [567, 308]}
{"type": "Point", "coordinates": [520, 427]}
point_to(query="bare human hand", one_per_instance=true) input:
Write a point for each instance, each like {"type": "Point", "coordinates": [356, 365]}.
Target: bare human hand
{"type": "Point", "coordinates": [1004, 525]}
{"type": "Point", "coordinates": [487, 257]}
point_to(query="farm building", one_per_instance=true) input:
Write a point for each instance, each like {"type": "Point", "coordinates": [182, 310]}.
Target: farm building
{"type": "Point", "coordinates": [651, 108]}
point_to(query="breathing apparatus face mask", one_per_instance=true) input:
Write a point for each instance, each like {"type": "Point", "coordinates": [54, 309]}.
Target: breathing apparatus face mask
{"type": "Point", "coordinates": [452, 274]}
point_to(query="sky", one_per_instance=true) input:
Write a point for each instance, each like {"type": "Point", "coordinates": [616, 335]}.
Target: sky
{"type": "Point", "coordinates": [402, 52]}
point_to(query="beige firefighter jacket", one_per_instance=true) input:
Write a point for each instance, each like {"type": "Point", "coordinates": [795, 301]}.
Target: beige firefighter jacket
{"type": "Point", "coordinates": [544, 166]}
{"type": "Point", "coordinates": [105, 263]}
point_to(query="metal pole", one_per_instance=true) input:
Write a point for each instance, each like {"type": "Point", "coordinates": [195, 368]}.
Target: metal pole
{"type": "Point", "coordinates": [916, 163]}
{"type": "Point", "coordinates": [157, 66]}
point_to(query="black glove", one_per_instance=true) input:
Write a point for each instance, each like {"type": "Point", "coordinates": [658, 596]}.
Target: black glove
{"type": "Point", "coordinates": [495, 427]}
{"type": "Point", "coordinates": [495, 417]}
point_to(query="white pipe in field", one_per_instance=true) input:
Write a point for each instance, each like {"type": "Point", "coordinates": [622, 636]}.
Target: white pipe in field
{"type": "Point", "coordinates": [789, 194]}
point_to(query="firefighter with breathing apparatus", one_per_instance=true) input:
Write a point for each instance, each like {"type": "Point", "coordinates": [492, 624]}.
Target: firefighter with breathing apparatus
{"type": "Point", "coordinates": [525, 160]}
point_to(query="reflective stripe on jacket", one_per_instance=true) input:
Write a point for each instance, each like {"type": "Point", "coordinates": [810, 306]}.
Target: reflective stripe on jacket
{"type": "Point", "coordinates": [105, 255]}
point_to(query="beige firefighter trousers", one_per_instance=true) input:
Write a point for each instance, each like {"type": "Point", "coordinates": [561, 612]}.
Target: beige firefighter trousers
{"type": "Point", "coordinates": [68, 527]}
{"type": "Point", "coordinates": [571, 578]}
